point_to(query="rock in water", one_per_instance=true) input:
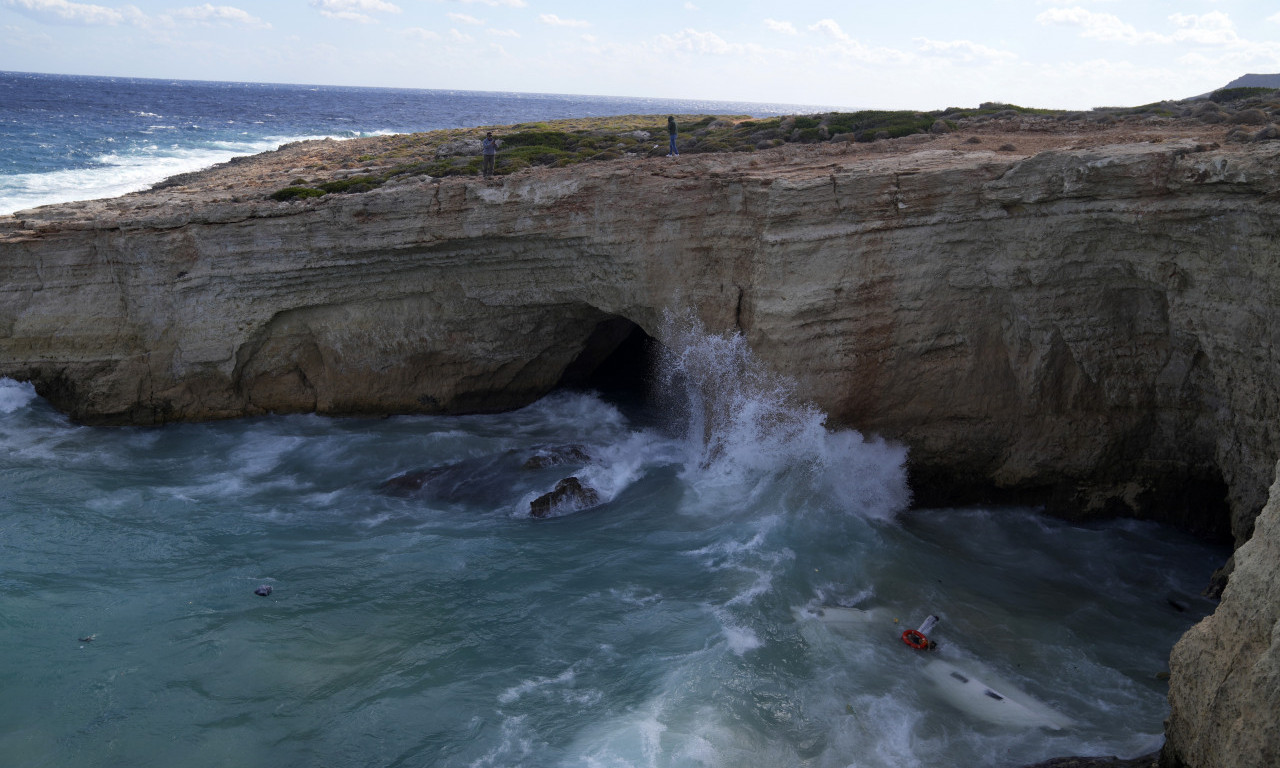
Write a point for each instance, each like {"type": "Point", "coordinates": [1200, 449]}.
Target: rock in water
{"type": "Point", "coordinates": [411, 482]}
{"type": "Point", "coordinates": [552, 456]}
{"type": "Point", "coordinates": [569, 495]}
{"type": "Point", "coordinates": [262, 591]}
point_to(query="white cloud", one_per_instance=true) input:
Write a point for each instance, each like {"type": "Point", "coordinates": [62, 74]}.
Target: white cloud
{"type": "Point", "coordinates": [495, 3]}
{"type": "Point", "coordinates": [830, 28]}
{"type": "Point", "coordinates": [1209, 29]}
{"type": "Point", "coordinates": [556, 21]}
{"type": "Point", "coordinates": [419, 33]}
{"type": "Point", "coordinates": [504, 33]}
{"type": "Point", "coordinates": [463, 18]}
{"type": "Point", "coordinates": [785, 27]}
{"type": "Point", "coordinates": [965, 51]}
{"type": "Point", "coordinates": [64, 12]}
{"type": "Point", "coordinates": [691, 7]}
{"type": "Point", "coordinates": [1098, 26]}
{"type": "Point", "coordinates": [460, 37]}
{"type": "Point", "coordinates": [218, 14]}
{"type": "Point", "coordinates": [354, 10]}
{"type": "Point", "coordinates": [693, 41]}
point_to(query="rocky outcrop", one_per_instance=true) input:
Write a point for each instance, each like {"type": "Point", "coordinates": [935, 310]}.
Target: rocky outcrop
{"type": "Point", "coordinates": [1095, 327]}
{"type": "Point", "coordinates": [1090, 326]}
{"type": "Point", "coordinates": [569, 495]}
{"type": "Point", "coordinates": [1225, 672]}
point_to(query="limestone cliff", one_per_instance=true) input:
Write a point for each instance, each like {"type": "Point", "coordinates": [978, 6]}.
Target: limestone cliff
{"type": "Point", "coordinates": [1225, 698]}
{"type": "Point", "coordinates": [1090, 326]}
{"type": "Point", "coordinates": [1094, 326]}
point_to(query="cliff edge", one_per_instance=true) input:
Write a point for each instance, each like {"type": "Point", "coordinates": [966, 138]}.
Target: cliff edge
{"type": "Point", "coordinates": [1084, 319]}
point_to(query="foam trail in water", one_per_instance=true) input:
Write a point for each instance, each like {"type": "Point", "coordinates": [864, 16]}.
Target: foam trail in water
{"type": "Point", "coordinates": [746, 426]}
{"type": "Point", "coordinates": [121, 173]}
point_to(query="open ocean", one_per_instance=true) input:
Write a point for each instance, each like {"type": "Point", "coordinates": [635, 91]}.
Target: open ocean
{"type": "Point", "coordinates": [68, 137]}
{"type": "Point", "coordinates": [737, 598]}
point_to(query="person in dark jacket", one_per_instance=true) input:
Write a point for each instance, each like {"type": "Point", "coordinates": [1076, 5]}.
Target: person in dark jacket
{"type": "Point", "coordinates": [489, 150]}
{"type": "Point", "coordinates": [671, 131]}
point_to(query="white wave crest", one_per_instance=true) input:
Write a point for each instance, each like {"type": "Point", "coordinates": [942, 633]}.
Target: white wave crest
{"type": "Point", "coordinates": [122, 173]}
{"type": "Point", "coordinates": [15, 395]}
{"type": "Point", "coordinates": [746, 426]}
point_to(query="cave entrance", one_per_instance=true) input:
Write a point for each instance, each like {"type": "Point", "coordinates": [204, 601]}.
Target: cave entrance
{"type": "Point", "coordinates": [617, 360]}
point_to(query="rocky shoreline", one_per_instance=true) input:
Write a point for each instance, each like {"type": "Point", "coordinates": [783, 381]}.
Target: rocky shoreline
{"type": "Point", "coordinates": [1076, 311]}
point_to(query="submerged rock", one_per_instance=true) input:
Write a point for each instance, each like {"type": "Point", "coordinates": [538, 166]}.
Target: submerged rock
{"type": "Point", "coordinates": [569, 495]}
{"type": "Point", "coordinates": [412, 482]}
{"type": "Point", "coordinates": [263, 591]}
{"type": "Point", "coordinates": [483, 481]}
{"type": "Point", "coordinates": [554, 456]}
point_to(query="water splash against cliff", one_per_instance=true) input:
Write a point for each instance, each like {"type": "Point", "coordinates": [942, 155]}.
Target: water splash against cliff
{"type": "Point", "coordinates": [745, 426]}
{"type": "Point", "coordinates": [657, 629]}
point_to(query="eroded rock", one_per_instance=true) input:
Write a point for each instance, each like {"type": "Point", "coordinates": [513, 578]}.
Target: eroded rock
{"type": "Point", "coordinates": [1224, 691]}
{"type": "Point", "coordinates": [569, 495]}
{"type": "Point", "coordinates": [556, 455]}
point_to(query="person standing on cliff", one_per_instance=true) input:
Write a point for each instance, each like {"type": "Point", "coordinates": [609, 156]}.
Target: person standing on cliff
{"type": "Point", "coordinates": [489, 150]}
{"type": "Point", "coordinates": [671, 131]}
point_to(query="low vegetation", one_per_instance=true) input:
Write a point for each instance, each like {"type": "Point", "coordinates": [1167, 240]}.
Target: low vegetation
{"type": "Point", "coordinates": [560, 143]}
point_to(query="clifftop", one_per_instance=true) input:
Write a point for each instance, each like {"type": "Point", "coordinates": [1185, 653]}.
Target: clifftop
{"type": "Point", "coordinates": [708, 144]}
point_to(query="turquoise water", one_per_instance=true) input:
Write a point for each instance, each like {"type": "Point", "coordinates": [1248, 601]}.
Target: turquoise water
{"type": "Point", "coordinates": [663, 627]}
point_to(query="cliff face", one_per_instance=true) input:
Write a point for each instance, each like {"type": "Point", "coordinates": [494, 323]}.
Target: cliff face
{"type": "Point", "coordinates": [1225, 699]}
{"type": "Point", "coordinates": [1093, 326]}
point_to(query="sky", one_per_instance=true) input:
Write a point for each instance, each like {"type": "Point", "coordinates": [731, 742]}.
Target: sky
{"type": "Point", "coordinates": [921, 54]}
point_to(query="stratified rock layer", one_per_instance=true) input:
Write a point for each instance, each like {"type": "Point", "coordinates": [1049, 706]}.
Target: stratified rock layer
{"type": "Point", "coordinates": [1092, 326]}
{"type": "Point", "coordinates": [1225, 699]}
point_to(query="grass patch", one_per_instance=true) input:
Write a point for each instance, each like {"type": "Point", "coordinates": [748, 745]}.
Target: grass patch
{"type": "Point", "coordinates": [560, 143]}
{"type": "Point", "coordinates": [295, 193]}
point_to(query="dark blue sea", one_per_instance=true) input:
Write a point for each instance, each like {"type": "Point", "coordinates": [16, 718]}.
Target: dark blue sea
{"type": "Point", "coordinates": [734, 597]}
{"type": "Point", "coordinates": [69, 137]}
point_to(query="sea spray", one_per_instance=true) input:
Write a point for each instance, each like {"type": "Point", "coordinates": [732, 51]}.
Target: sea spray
{"type": "Point", "coordinates": [745, 425]}
{"type": "Point", "coordinates": [15, 395]}
{"type": "Point", "coordinates": [658, 628]}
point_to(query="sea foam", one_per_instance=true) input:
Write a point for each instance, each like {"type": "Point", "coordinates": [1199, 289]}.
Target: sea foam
{"type": "Point", "coordinates": [745, 425]}
{"type": "Point", "coordinates": [116, 174]}
{"type": "Point", "coordinates": [15, 395]}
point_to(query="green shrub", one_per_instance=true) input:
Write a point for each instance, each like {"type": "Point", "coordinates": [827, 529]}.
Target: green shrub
{"type": "Point", "coordinates": [510, 164]}
{"type": "Point", "coordinates": [536, 154]}
{"type": "Point", "coordinates": [295, 193]}
{"type": "Point", "coordinates": [352, 184]}
{"type": "Point", "coordinates": [1235, 94]}
{"type": "Point", "coordinates": [554, 139]}
{"type": "Point", "coordinates": [695, 125]}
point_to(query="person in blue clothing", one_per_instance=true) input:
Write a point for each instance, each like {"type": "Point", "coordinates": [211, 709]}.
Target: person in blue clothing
{"type": "Point", "coordinates": [489, 149]}
{"type": "Point", "coordinates": [671, 131]}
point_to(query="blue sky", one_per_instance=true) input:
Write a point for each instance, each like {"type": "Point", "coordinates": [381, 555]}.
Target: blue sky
{"type": "Point", "coordinates": [920, 54]}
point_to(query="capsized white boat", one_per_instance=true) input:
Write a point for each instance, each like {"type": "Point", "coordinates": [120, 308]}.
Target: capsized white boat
{"type": "Point", "coordinates": [968, 685]}
{"type": "Point", "coordinates": [978, 691]}
{"type": "Point", "coordinates": [848, 621]}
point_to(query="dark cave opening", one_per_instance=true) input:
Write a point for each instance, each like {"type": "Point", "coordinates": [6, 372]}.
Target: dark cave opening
{"type": "Point", "coordinates": [617, 361]}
